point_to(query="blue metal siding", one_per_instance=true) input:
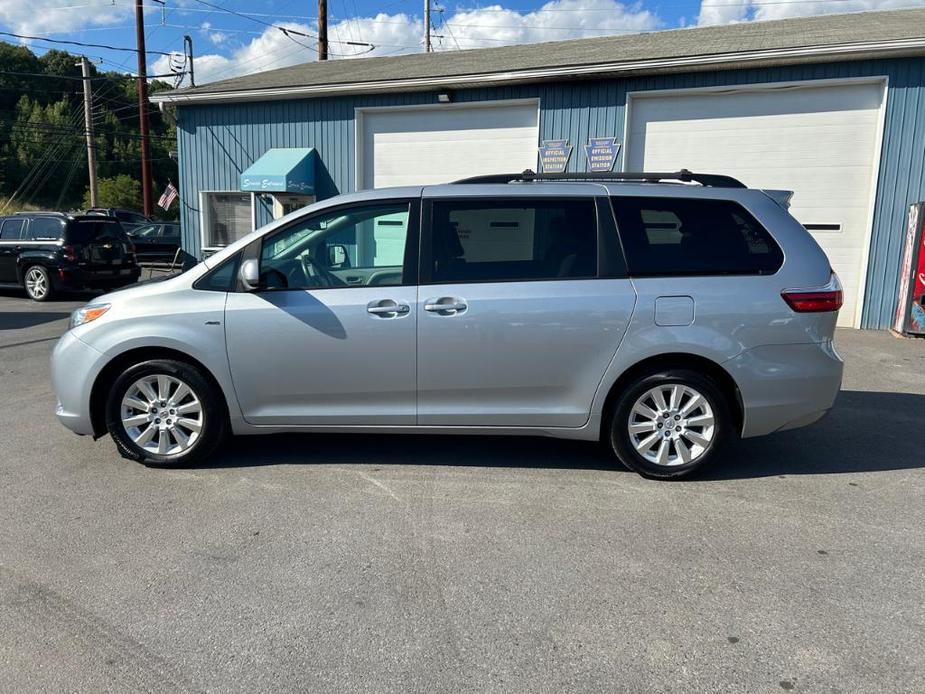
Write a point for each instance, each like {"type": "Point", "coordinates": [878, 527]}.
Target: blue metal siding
{"type": "Point", "coordinates": [217, 142]}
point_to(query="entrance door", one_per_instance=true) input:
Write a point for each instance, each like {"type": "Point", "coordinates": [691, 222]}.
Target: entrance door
{"type": "Point", "coordinates": [514, 327]}
{"type": "Point", "coordinates": [314, 345]}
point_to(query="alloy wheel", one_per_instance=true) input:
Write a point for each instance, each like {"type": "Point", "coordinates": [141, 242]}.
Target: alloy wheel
{"type": "Point", "coordinates": [671, 425]}
{"type": "Point", "coordinates": [162, 415]}
{"type": "Point", "coordinates": [36, 283]}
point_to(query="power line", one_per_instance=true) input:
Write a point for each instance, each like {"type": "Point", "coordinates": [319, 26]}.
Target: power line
{"type": "Point", "coordinates": [78, 43]}
{"type": "Point", "coordinates": [79, 79]}
{"type": "Point", "coordinates": [288, 32]}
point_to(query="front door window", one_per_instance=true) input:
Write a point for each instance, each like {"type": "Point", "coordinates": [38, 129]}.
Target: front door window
{"type": "Point", "coordinates": [359, 246]}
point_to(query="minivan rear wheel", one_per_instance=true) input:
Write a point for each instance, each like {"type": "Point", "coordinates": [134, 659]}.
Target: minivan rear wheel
{"type": "Point", "coordinates": [670, 424]}
{"type": "Point", "coordinates": [37, 282]}
{"type": "Point", "coordinates": [165, 413]}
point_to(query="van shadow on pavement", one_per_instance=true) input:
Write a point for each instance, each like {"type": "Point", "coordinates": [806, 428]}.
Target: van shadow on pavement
{"type": "Point", "coordinates": [865, 432]}
{"type": "Point", "coordinates": [18, 320]}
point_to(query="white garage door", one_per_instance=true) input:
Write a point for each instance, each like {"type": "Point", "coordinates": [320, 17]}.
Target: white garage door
{"type": "Point", "coordinates": [820, 142]}
{"type": "Point", "coordinates": [437, 145]}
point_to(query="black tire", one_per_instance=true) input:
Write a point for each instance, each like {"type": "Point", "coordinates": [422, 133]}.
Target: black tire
{"type": "Point", "coordinates": [44, 278]}
{"type": "Point", "coordinates": [620, 438]}
{"type": "Point", "coordinates": [212, 416]}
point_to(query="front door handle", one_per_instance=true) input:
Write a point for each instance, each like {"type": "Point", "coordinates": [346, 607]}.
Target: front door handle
{"type": "Point", "coordinates": [387, 308]}
{"type": "Point", "coordinates": [447, 306]}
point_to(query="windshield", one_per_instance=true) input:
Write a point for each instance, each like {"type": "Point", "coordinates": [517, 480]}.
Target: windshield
{"type": "Point", "coordinates": [131, 217]}
{"type": "Point", "coordinates": [144, 232]}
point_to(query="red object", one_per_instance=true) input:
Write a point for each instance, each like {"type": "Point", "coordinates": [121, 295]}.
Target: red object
{"type": "Point", "coordinates": [816, 299]}
{"type": "Point", "coordinates": [69, 253]}
{"type": "Point", "coordinates": [170, 194]}
{"type": "Point", "coordinates": [814, 302]}
{"type": "Point", "coordinates": [909, 318]}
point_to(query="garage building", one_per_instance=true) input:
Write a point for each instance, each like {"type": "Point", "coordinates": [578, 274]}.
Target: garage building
{"type": "Point", "coordinates": [830, 107]}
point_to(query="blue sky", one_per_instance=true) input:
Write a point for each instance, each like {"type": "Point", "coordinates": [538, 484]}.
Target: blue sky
{"type": "Point", "coordinates": [227, 45]}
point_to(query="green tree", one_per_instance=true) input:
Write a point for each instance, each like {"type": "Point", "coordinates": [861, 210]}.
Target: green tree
{"type": "Point", "coordinates": [118, 191]}
{"type": "Point", "coordinates": [42, 149]}
{"type": "Point", "coordinates": [43, 144]}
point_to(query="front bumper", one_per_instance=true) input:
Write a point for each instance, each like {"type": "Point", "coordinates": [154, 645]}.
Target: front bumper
{"type": "Point", "coordinates": [786, 386]}
{"type": "Point", "coordinates": [74, 367]}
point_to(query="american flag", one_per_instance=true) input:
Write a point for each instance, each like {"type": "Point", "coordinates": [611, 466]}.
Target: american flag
{"type": "Point", "coordinates": [170, 194]}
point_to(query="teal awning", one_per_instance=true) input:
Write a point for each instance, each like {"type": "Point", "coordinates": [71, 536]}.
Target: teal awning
{"type": "Point", "coordinates": [283, 170]}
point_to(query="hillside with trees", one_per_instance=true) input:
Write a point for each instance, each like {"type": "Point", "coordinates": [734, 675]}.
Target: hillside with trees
{"type": "Point", "coordinates": [43, 157]}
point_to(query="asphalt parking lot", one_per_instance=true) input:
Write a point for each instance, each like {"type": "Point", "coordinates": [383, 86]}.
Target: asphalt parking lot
{"type": "Point", "coordinates": [406, 564]}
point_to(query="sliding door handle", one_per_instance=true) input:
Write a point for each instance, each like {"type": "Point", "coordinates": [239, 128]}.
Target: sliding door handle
{"type": "Point", "coordinates": [446, 305]}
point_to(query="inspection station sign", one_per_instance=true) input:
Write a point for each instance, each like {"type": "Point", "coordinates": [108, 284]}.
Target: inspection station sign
{"type": "Point", "coordinates": [554, 155]}
{"type": "Point", "coordinates": [602, 153]}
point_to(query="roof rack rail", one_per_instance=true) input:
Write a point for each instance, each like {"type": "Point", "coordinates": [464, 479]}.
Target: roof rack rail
{"type": "Point", "coordinates": [685, 176]}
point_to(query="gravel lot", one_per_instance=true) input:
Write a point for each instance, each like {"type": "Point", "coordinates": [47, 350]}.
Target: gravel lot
{"type": "Point", "coordinates": [346, 563]}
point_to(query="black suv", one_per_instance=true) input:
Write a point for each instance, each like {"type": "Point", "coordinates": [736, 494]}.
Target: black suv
{"type": "Point", "coordinates": [45, 252]}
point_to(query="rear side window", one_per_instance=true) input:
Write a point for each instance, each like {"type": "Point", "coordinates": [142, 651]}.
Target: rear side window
{"type": "Point", "coordinates": [12, 229]}
{"type": "Point", "coordinates": [84, 231]}
{"type": "Point", "coordinates": [46, 228]}
{"type": "Point", "coordinates": [691, 236]}
{"type": "Point", "coordinates": [513, 240]}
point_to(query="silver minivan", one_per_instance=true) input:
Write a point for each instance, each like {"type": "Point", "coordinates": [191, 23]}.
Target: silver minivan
{"type": "Point", "coordinates": [662, 314]}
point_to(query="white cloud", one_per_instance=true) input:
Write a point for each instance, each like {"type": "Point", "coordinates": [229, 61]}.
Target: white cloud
{"type": "Point", "coordinates": [52, 16]}
{"type": "Point", "coordinates": [728, 11]}
{"type": "Point", "coordinates": [401, 33]}
{"type": "Point", "coordinates": [722, 11]}
{"type": "Point", "coordinates": [554, 21]}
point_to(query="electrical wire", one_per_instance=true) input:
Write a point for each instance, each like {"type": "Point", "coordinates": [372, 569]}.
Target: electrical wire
{"type": "Point", "coordinates": [77, 43]}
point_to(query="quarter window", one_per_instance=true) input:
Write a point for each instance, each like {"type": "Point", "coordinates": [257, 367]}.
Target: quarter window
{"type": "Point", "coordinates": [223, 278]}
{"type": "Point", "coordinates": [356, 246]}
{"type": "Point", "coordinates": [46, 228]}
{"type": "Point", "coordinates": [693, 236]}
{"type": "Point", "coordinates": [511, 240]}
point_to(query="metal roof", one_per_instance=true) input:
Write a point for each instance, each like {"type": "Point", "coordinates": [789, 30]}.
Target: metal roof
{"type": "Point", "coordinates": [806, 39]}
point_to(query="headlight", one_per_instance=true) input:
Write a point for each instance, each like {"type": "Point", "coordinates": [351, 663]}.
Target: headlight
{"type": "Point", "coordinates": [88, 314]}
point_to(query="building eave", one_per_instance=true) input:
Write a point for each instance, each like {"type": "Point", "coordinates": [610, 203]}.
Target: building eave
{"type": "Point", "coordinates": [733, 60]}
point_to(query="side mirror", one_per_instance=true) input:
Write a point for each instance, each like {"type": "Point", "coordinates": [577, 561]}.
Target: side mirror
{"type": "Point", "coordinates": [249, 274]}
{"type": "Point", "coordinates": [338, 256]}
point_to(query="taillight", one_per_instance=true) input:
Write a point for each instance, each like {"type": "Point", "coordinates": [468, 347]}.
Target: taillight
{"type": "Point", "coordinates": [69, 253]}
{"type": "Point", "coordinates": [816, 299]}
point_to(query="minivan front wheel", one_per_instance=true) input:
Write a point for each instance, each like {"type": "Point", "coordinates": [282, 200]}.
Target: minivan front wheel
{"type": "Point", "coordinates": [670, 424]}
{"type": "Point", "coordinates": [37, 282]}
{"type": "Point", "coordinates": [165, 413]}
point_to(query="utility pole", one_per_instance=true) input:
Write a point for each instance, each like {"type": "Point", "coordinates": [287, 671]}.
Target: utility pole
{"type": "Point", "coordinates": [88, 128]}
{"type": "Point", "coordinates": [322, 29]}
{"type": "Point", "coordinates": [427, 46]}
{"type": "Point", "coordinates": [143, 109]}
